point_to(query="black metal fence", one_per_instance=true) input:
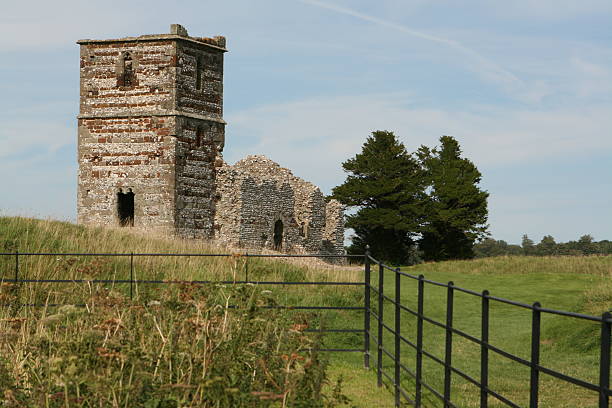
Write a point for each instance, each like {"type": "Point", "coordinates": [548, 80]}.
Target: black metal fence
{"type": "Point", "coordinates": [415, 397]}
{"type": "Point", "coordinates": [401, 343]}
{"type": "Point", "coordinates": [19, 277]}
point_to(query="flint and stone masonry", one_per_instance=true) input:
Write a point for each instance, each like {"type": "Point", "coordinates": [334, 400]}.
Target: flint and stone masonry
{"type": "Point", "coordinates": [150, 140]}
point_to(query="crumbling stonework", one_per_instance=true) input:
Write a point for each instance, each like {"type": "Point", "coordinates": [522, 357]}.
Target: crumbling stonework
{"type": "Point", "coordinates": [150, 140]}
{"type": "Point", "coordinates": [256, 196]}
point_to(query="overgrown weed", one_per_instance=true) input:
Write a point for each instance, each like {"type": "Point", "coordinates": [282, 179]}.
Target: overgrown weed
{"type": "Point", "coordinates": [195, 346]}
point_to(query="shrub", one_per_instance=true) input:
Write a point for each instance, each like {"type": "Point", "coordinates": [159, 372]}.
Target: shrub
{"type": "Point", "coordinates": [186, 348]}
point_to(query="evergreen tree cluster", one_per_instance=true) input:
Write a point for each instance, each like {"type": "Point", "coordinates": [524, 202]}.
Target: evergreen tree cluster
{"type": "Point", "coordinates": [585, 245]}
{"type": "Point", "coordinates": [409, 206]}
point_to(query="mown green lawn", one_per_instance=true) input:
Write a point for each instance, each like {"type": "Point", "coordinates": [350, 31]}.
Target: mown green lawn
{"type": "Point", "coordinates": [567, 345]}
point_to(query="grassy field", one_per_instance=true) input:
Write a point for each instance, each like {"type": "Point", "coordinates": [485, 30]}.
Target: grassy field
{"type": "Point", "coordinates": [570, 346]}
{"type": "Point", "coordinates": [579, 284]}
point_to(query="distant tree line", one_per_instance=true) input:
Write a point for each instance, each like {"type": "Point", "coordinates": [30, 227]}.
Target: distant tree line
{"type": "Point", "coordinates": [585, 245]}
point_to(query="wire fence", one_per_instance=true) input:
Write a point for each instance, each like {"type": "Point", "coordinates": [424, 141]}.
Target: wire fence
{"type": "Point", "coordinates": [378, 296]}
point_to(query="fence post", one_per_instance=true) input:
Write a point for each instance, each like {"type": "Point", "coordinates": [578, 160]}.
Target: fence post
{"type": "Point", "coordinates": [131, 275]}
{"type": "Point", "coordinates": [381, 274]}
{"type": "Point", "coordinates": [484, 351]}
{"type": "Point", "coordinates": [16, 265]}
{"type": "Point", "coordinates": [604, 360]}
{"type": "Point", "coordinates": [366, 318]}
{"type": "Point", "coordinates": [397, 337]}
{"type": "Point", "coordinates": [419, 356]}
{"type": "Point", "coordinates": [246, 266]}
{"type": "Point", "coordinates": [535, 355]}
{"type": "Point", "coordinates": [17, 303]}
{"type": "Point", "coordinates": [448, 345]}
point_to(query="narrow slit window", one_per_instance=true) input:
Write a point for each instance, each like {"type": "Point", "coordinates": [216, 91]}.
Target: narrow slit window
{"type": "Point", "coordinates": [127, 70]}
{"type": "Point", "coordinates": [199, 137]}
{"type": "Point", "coordinates": [125, 208]}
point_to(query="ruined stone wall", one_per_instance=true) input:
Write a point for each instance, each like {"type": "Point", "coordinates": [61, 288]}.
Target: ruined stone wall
{"type": "Point", "coordinates": [150, 88]}
{"type": "Point", "coordinates": [200, 137]}
{"type": "Point", "coordinates": [136, 153]}
{"type": "Point", "coordinates": [135, 135]}
{"type": "Point", "coordinates": [255, 193]}
{"type": "Point", "coordinates": [200, 80]}
{"type": "Point", "coordinates": [151, 124]}
{"type": "Point", "coordinates": [228, 203]}
{"type": "Point", "coordinates": [196, 152]}
{"type": "Point", "coordinates": [333, 238]}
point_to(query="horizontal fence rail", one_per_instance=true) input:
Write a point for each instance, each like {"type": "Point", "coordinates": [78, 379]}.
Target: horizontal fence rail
{"type": "Point", "coordinates": [18, 278]}
{"type": "Point", "coordinates": [375, 334]}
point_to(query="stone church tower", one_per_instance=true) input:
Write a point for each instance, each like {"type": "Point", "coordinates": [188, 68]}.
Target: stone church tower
{"type": "Point", "coordinates": [150, 138]}
{"type": "Point", "coordinates": [150, 129]}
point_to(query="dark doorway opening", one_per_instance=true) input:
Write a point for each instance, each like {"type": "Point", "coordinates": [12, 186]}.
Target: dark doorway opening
{"type": "Point", "coordinates": [125, 208]}
{"type": "Point", "coordinates": [278, 235]}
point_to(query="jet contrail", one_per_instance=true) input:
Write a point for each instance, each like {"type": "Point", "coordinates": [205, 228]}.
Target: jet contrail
{"type": "Point", "coordinates": [506, 76]}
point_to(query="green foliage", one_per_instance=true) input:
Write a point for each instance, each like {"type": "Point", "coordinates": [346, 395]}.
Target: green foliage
{"type": "Point", "coordinates": [186, 349]}
{"type": "Point", "coordinates": [174, 345]}
{"type": "Point", "coordinates": [431, 198]}
{"type": "Point", "coordinates": [528, 245]}
{"type": "Point", "coordinates": [385, 183]}
{"type": "Point", "coordinates": [491, 247]}
{"type": "Point", "coordinates": [547, 246]}
{"type": "Point", "coordinates": [558, 282]}
{"type": "Point", "coordinates": [456, 210]}
{"type": "Point", "coordinates": [585, 245]}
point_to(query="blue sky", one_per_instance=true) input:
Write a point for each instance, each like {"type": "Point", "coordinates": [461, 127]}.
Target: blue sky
{"type": "Point", "coordinates": [525, 86]}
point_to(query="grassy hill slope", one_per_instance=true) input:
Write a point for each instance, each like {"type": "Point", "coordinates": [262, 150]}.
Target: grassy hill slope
{"type": "Point", "coordinates": [582, 284]}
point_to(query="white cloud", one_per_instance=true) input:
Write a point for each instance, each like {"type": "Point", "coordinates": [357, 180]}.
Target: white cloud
{"type": "Point", "coordinates": [591, 79]}
{"type": "Point", "coordinates": [314, 136]}
{"type": "Point", "coordinates": [28, 135]}
{"type": "Point", "coordinates": [62, 22]}
{"type": "Point", "coordinates": [488, 69]}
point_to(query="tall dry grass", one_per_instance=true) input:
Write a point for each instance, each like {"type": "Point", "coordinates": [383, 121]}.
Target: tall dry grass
{"type": "Point", "coordinates": [186, 349]}
{"type": "Point", "coordinates": [40, 236]}
{"type": "Point", "coordinates": [171, 345]}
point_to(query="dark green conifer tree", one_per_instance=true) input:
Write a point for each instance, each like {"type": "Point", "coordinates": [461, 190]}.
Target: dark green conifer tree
{"type": "Point", "coordinates": [528, 245]}
{"type": "Point", "coordinates": [456, 211]}
{"type": "Point", "coordinates": [385, 186]}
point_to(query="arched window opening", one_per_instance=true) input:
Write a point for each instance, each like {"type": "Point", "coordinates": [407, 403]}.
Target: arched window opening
{"type": "Point", "coordinates": [302, 230]}
{"type": "Point", "coordinates": [278, 235]}
{"type": "Point", "coordinates": [125, 208]}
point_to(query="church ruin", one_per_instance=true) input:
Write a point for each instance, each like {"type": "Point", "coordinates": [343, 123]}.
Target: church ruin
{"type": "Point", "coordinates": [150, 140]}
